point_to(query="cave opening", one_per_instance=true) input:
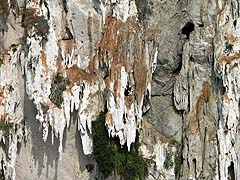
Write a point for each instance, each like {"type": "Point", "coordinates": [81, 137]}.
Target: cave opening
{"type": "Point", "coordinates": [127, 90]}
{"type": "Point", "coordinates": [188, 28]}
{"type": "Point", "coordinates": [231, 173]}
{"type": "Point", "coordinates": [195, 166]}
{"type": "Point", "coordinates": [179, 66]}
{"type": "Point", "coordinates": [68, 35]}
{"type": "Point", "coordinates": [235, 23]}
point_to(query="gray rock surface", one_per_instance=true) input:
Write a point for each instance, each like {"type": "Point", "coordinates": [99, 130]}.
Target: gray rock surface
{"type": "Point", "coordinates": [165, 68]}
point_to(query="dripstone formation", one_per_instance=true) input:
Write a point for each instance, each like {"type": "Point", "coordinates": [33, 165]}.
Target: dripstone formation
{"type": "Point", "coordinates": [156, 83]}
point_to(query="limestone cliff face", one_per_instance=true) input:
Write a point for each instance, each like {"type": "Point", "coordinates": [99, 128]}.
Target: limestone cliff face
{"type": "Point", "coordinates": [166, 69]}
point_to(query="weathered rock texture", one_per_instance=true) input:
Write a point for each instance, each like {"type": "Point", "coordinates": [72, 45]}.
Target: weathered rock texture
{"type": "Point", "coordinates": [165, 68]}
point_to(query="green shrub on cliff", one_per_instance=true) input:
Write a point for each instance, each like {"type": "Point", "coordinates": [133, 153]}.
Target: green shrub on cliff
{"type": "Point", "coordinates": [110, 157]}
{"type": "Point", "coordinates": [4, 125]}
{"type": "Point", "coordinates": [102, 151]}
{"type": "Point", "coordinates": [58, 85]}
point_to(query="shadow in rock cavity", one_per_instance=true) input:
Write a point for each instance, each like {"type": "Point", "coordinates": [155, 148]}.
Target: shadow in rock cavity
{"type": "Point", "coordinates": [46, 163]}
{"type": "Point", "coordinates": [39, 147]}
{"type": "Point", "coordinates": [84, 160]}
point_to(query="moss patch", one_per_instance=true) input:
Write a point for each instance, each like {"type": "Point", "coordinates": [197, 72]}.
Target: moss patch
{"type": "Point", "coordinates": [102, 151]}
{"type": "Point", "coordinates": [110, 157]}
{"type": "Point", "coordinates": [58, 85]}
{"type": "Point", "coordinates": [168, 163]}
{"type": "Point", "coordinates": [4, 125]}
{"type": "Point", "coordinates": [178, 163]}
{"type": "Point", "coordinates": [178, 159]}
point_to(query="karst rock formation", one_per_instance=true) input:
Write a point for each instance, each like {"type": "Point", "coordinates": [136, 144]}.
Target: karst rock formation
{"type": "Point", "coordinates": [165, 73]}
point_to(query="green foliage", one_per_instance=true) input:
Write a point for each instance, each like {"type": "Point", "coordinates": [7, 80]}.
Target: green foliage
{"type": "Point", "coordinates": [102, 151]}
{"type": "Point", "coordinates": [120, 160]}
{"type": "Point", "coordinates": [168, 163]}
{"type": "Point", "coordinates": [109, 156]}
{"type": "Point", "coordinates": [136, 145]}
{"type": "Point", "coordinates": [178, 163]}
{"type": "Point", "coordinates": [134, 168]}
{"type": "Point", "coordinates": [177, 157]}
{"type": "Point", "coordinates": [4, 125]}
{"type": "Point", "coordinates": [57, 87]}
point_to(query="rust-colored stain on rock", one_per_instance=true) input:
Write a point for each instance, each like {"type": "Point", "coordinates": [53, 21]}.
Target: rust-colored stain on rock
{"type": "Point", "coordinates": [203, 98]}
{"type": "Point", "coordinates": [44, 62]}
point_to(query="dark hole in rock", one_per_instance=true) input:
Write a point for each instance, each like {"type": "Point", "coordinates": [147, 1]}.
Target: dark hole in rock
{"type": "Point", "coordinates": [201, 25]}
{"type": "Point", "coordinates": [124, 119]}
{"type": "Point", "coordinates": [68, 35]}
{"type": "Point", "coordinates": [146, 98]}
{"type": "Point", "coordinates": [65, 5]}
{"type": "Point", "coordinates": [89, 167]}
{"type": "Point", "coordinates": [231, 173]}
{"type": "Point", "coordinates": [195, 165]}
{"type": "Point", "coordinates": [187, 29]}
{"type": "Point", "coordinates": [127, 90]}
{"type": "Point", "coordinates": [235, 23]}
{"type": "Point", "coordinates": [179, 67]}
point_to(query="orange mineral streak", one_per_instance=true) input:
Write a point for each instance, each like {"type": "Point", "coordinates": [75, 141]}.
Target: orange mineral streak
{"type": "Point", "coordinates": [116, 39]}
{"type": "Point", "coordinates": [230, 37]}
{"type": "Point", "coordinates": [199, 107]}
{"type": "Point", "coordinates": [4, 117]}
{"type": "Point", "coordinates": [1, 94]}
{"type": "Point", "coordinates": [44, 62]}
{"type": "Point", "coordinates": [193, 124]}
{"type": "Point", "coordinates": [129, 101]}
{"type": "Point", "coordinates": [115, 88]}
{"type": "Point", "coordinates": [150, 131]}
{"type": "Point", "coordinates": [206, 91]}
{"type": "Point", "coordinates": [115, 76]}
{"type": "Point", "coordinates": [4, 52]}
{"type": "Point", "coordinates": [151, 33]}
{"type": "Point", "coordinates": [68, 91]}
{"type": "Point", "coordinates": [228, 59]}
{"type": "Point", "coordinates": [75, 74]}
{"type": "Point", "coordinates": [140, 74]}
{"type": "Point", "coordinates": [109, 118]}
{"type": "Point", "coordinates": [226, 97]}
{"type": "Point", "coordinates": [67, 45]}
{"type": "Point", "coordinates": [109, 37]}
{"type": "Point", "coordinates": [203, 98]}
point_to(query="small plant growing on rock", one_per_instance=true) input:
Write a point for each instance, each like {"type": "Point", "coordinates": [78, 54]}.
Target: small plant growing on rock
{"type": "Point", "coordinates": [178, 164]}
{"type": "Point", "coordinates": [110, 157]}
{"type": "Point", "coordinates": [58, 85]}
{"type": "Point", "coordinates": [4, 125]}
{"type": "Point", "coordinates": [168, 163]}
{"type": "Point", "coordinates": [102, 151]}
{"type": "Point", "coordinates": [177, 158]}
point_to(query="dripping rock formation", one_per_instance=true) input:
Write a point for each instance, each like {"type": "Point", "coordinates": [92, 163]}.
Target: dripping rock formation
{"type": "Point", "coordinates": [119, 89]}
